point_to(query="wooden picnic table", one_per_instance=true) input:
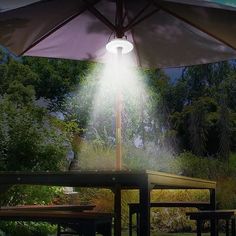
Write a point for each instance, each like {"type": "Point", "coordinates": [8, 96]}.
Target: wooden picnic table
{"type": "Point", "coordinates": [144, 181]}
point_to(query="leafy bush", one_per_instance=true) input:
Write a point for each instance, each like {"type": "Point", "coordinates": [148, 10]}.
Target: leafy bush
{"type": "Point", "coordinates": [96, 156]}
{"type": "Point", "coordinates": [226, 192]}
{"type": "Point", "coordinates": [27, 140]}
{"type": "Point", "coordinates": [191, 165]}
{"type": "Point", "coordinates": [30, 194]}
{"type": "Point", "coordinates": [26, 229]}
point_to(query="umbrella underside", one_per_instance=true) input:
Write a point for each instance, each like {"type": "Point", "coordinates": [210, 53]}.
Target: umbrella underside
{"type": "Point", "coordinates": [164, 33]}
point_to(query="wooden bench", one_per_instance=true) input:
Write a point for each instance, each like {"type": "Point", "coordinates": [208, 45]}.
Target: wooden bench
{"type": "Point", "coordinates": [214, 215]}
{"type": "Point", "coordinates": [60, 228]}
{"type": "Point", "coordinates": [134, 208]}
{"type": "Point", "coordinates": [77, 208]}
{"type": "Point", "coordinates": [83, 223]}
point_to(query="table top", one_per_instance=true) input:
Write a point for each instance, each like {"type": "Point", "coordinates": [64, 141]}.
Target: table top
{"type": "Point", "coordinates": [106, 179]}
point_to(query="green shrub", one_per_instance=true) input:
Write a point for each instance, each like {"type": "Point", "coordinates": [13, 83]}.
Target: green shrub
{"type": "Point", "coordinates": [96, 156]}
{"type": "Point", "coordinates": [27, 194]}
{"type": "Point", "coordinates": [226, 193]}
{"type": "Point", "coordinates": [27, 228]}
{"type": "Point", "coordinates": [191, 165]}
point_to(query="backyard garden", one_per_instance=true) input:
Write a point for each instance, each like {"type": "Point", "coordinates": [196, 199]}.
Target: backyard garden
{"type": "Point", "coordinates": [183, 124]}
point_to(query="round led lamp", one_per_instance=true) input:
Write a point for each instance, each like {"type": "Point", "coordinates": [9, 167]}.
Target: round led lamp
{"type": "Point", "coordinates": [124, 44]}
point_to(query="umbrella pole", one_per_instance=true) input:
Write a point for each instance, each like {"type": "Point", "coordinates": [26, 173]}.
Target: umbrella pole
{"type": "Point", "coordinates": [118, 118]}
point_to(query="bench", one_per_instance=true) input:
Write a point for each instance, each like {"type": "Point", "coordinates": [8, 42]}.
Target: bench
{"type": "Point", "coordinates": [83, 223]}
{"type": "Point", "coordinates": [214, 215]}
{"type": "Point", "coordinates": [65, 207]}
{"type": "Point", "coordinates": [77, 208]}
{"type": "Point", "coordinates": [134, 208]}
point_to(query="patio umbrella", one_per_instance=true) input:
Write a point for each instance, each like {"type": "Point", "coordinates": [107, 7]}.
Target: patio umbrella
{"type": "Point", "coordinates": [165, 33]}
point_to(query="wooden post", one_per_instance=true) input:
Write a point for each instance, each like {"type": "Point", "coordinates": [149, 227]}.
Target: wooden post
{"type": "Point", "coordinates": [118, 118]}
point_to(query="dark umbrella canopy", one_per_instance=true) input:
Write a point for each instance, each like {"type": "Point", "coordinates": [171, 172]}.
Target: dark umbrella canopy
{"type": "Point", "coordinates": [165, 33]}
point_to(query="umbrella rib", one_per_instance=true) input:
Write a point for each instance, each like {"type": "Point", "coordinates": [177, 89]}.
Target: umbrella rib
{"type": "Point", "coordinates": [101, 17]}
{"type": "Point", "coordinates": [195, 26]}
{"type": "Point", "coordinates": [55, 29]}
{"type": "Point", "coordinates": [129, 26]}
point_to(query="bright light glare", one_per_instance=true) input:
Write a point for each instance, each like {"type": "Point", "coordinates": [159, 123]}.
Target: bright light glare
{"type": "Point", "coordinates": [124, 44]}
{"type": "Point", "coordinates": [115, 77]}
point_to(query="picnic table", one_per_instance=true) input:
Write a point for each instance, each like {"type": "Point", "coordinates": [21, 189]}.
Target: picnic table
{"type": "Point", "coordinates": [144, 181]}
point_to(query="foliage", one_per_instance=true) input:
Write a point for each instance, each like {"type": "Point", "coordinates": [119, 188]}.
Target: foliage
{"type": "Point", "coordinates": [28, 142]}
{"type": "Point", "coordinates": [96, 156]}
{"type": "Point", "coordinates": [56, 78]}
{"type": "Point", "coordinates": [27, 229]}
{"type": "Point", "coordinates": [30, 195]}
{"type": "Point", "coordinates": [204, 117]}
{"type": "Point", "coordinates": [37, 147]}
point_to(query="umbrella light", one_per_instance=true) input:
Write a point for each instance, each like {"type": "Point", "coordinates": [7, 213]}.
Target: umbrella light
{"type": "Point", "coordinates": [114, 45]}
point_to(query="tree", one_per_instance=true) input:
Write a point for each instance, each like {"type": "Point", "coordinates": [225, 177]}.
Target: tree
{"type": "Point", "coordinates": [57, 78]}
{"type": "Point", "coordinates": [224, 129]}
{"type": "Point", "coordinates": [27, 139]}
{"type": "Point", "coordinates": [198, 112]}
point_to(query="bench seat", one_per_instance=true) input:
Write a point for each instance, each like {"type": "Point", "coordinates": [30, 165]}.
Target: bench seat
{"type": "Point", "coordinates": [85, 223]}
{"type": "Point", "coordinates": [134, 208]}
{"type": "Point", "coordinates": [50, 207]}
{"type": "Point", "coordinates": [214, 215]}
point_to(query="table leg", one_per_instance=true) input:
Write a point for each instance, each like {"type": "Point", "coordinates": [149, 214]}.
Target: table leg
{"type": "Point", "coordinates": [90, 230]}
{"type": "Point", "coordinates": [58, 230]}
{"type": "Point", "coordinates": [227, 227]}
{"type": "Point", "coordinates": [213, 207]}
{"type": "Point", "coordinates": [144, 193]}
{"type": "Point", "coordinates": [199, 227]}
{"type": "Point", "coordinates": [117, 209]}
{"type": "Point", "coordinates": [130, 221]}
{"type": "Point", "coordinates": [138, 224]}
{"type": "Point", "coordinates": [233, 227]}
{"type": "Point", "coordinates": [107, 230]}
